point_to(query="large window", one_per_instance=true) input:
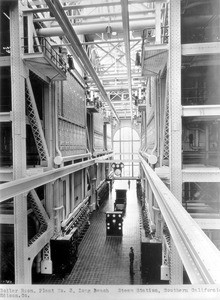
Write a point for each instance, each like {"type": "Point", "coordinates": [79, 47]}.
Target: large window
{"type": "Point", "coordinates": [126, 144]}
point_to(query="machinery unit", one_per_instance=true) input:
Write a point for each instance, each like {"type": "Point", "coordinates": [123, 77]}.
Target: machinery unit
{"type": "Point", "coordinates": [151, 261]}
{"type": "Point", "coordinates": [120, 201]}
{"type": "Point", "coordinates": [64, 252]}
{"type": "Point", "coordinates": [114, 223]}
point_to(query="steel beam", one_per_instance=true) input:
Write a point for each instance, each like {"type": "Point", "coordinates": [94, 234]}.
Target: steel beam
{"type": "Point", "coordinates": [6, 219]}
{"type": "Point", "coordinates": [105, 161]}
{"type": "Point", "coordinates": [76, 7]}
{"type": "Point", "coordinates": [200, 174]}
{"type": "Point", "coordinates": [19, 186]}
{"type": "Point", "coordinates": [58, 12]}
{"type": "Point", "coordinates": [175, 122]}
{"type": "Point", "coordinates": [200, 49]}
{"type": "Point", "coordinates": [200, 110]}
{"type": "Point", "coordinates": [6, 174]}
{"type": "Point", "coordinates": [5, 61]}
{"type": "Point", "coordinates": [5, 116]}
{"type": "Point", "coordinates": [208, 224]}
{"type": "Point", "coordinates": [199, 255]}
{"type": "Point", "coordinates": [126, 30]}
{"type": "Point", "coordinates": [125, 178]}
{"type": "Point", "coordinates": [109, 41]}
{"type": "Point", "coordinates": [121, 76]}
{"type": "Point", "coordinates": [97, 42]}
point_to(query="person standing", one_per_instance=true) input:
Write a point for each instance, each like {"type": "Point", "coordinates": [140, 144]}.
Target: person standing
{"type": "Point", "coordinates": [129, 183]}
{"type": "Point", "coordinates": [131, 257]}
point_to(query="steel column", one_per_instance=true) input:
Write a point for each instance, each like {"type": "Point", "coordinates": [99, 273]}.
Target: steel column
{"type": "Point", "coordinates": [22, 267]}
{"type": "Point", "coordinates": [175, 123]}
{"type": "Point", "coordinates": [126, 30]}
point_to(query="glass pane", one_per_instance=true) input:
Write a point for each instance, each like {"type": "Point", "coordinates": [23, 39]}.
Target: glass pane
{"type": "Point", "coordinates": [124, 149]}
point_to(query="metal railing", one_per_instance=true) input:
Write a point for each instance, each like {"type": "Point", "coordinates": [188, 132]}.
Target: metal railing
{"type": "Point", "coordinates": [199, 255]}
{"type": "Point", "coordinates": [41, 45]}
{"type": "Point", "coordinates": [149, 35]}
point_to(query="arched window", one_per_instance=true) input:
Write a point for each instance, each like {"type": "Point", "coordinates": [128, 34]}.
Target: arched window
{"type": "Point", "coordinates": [126, 144]}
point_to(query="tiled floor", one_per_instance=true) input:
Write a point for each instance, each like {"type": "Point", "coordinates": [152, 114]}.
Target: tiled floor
{"type": "Point", "coordinates": [103, 259]}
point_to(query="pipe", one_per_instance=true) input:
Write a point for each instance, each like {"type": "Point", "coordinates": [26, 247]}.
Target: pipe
{"type": "Point", "coordinates": [98, 28]}
{"type": "Point", "coordinates": [58, 159]}
{"type": "Point", "coordinates": [95, 16]}
{"type": "Point", "coordinates": [152, 159]}
{"type": "Point", "coordinates": [156, 117]}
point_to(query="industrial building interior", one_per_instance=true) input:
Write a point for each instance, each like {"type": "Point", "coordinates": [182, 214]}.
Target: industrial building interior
{"type": "Point", "coordinates": [96, 94]}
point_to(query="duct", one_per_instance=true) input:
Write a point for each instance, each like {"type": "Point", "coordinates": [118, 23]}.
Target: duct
{"type": "Point", "coordinates": [97, 28]}
{"type": "Point", "coordinates": [70, 34]}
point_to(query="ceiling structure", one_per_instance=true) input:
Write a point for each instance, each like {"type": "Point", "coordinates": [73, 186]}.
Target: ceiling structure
{"type": "Point", "coordinates": [111, 34]}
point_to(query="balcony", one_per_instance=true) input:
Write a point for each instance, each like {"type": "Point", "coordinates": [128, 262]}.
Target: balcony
{"type": "Point", "coordinates": [42, 59]}
{"type": "Point", "coordinates": [93, 105]}
{"type": "Point", "coordinates": [154, 56]}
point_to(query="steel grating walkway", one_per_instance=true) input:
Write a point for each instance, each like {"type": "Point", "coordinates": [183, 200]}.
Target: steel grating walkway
{"type": "Point", "coordinates": [105, 260]}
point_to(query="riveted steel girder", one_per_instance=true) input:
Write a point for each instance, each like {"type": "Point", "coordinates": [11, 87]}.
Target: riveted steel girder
{"type": "Point", "coordinates": [125, 21]}
{"type": "Point", "coordinates": [199, 255]}
{"type": "Point", "coordinates": [198, 110]}
{"type": "Point", "coordinates": [58, 12]}
{"type": "Point", "coordinates": [19, 186]}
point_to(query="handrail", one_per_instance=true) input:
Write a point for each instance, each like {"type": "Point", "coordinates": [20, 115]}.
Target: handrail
{"type": "Point", "coordinates": [22, 185]}
{"type": "Point", "coordinates": [164, 34]}
{"type": "Point", "coordinates": [152, 159]}
{"type": "Point", "coordinates": [43, 46]}
{"type": "Point", "coordinates": [199, 255]}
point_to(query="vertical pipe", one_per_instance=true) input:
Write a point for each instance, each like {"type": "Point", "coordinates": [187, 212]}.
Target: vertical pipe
{"type": "Point", "coordinates": [157, 22]}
